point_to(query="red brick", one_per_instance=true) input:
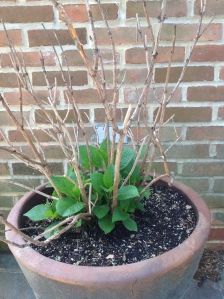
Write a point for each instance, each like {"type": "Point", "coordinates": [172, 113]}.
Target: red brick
{"type": "Point", "coordinates": [47, 38]}
{"type": "Point", "coordinates": [186, 114]}
{"type": "Point", "coordinates": [50, 151]}
{"type": "Point", "coordinates": [218, 186]}
{"type": "Point", "coordinates": [131, 95]}
{"type": "Point", "coordinates": [26, 14]}
{"type": "Point", "coordinates": [216, 234]}
{"type": "Point", "coordinates": [13, 97]}
{"type": "Point", "coordinates": [71, 117]}
{"type": "Point", "coordinates": [221, 113]}
{"type": "Point", "coordinates": [222, 74]}
{"type": "Point", "coordinates": [14, 35]}
{"type": "Point", "coordinates": [8, 80]}
{"type": "Point", "coordinates": [218, 217]}
{"type": "Point", "coordinates": [29, 59]}
{"type": "Point", "coordinates": [175, 8]}
{"type": "Point", "coordinates": [187, 32]}
{"type": "Point", "coordinates": [205, 93]}
{"type": "Point", "coordinates": [6, 202]}
{"type": "Point", "coordinates": [15, 136]}
{"type": "Point", "coordinates": [137, 55]}
{"type": "Point", "coordinates": [5, 155]}
{"type": "Point", "coordinates": [100, 115]}
{"type": "Point", "coordinates": [188, 151]}
{"type": "Point", "coordinates": [158, 167]}
{"type": "Point", "coordinates": [204, 169]}
{"type": "Point", "coordinates": [78, 12]}
{"type": "Point", "coordinates": [193, 73]}
{"type": "Point", "coordinates": [4, 169]}
{"type": "Point", "coordinates": [208, 53]}
{"type": "Point", "coordinates": [53, 152]}
{"type": "Point", "coordinates": [213, 7]}
{"type": "Point", "coordinates": [77, 77]}
{"type": "Point", "coordinates": [11, 188]}
{"type": "Point", "coordinates": [197, 184]}
{"type": "Point", "coordinates": [167, 134]}
{"type": "Point", "coordinates": [220, 151]}
{"type": "Point", "coordinates": [5, 120]}
{"type": "Point", "coordinates": [21, 169]}
{"type": "Point", "coordinates": [73, 58]}
{"type": "Point", "coordinates": [121, 36]}
{"type": "Point", "coordinates": [205, 133]}
{"type": "Point", "coordinates": [214, 200]}
{"type": "Point", "coordinates": [201, 73]}
{"type": "Point", "coordinates": [89, 96]}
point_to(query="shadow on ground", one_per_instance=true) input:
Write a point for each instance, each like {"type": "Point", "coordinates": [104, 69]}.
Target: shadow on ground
{"type": "Point", "coordinates": [14, 286]}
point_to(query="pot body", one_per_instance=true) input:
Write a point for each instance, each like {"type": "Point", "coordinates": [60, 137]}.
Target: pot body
{"type": "Point", "coordinates": [167, 276]}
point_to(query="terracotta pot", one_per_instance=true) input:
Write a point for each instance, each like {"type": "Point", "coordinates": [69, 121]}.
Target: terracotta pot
{"type": "Point", "coordinates": [164, 277]}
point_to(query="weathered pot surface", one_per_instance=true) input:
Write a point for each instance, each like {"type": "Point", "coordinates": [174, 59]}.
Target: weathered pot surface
{"type": "Point", "coordinates": [164, 277]}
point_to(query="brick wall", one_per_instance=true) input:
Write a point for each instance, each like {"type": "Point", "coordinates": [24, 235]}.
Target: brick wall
{"type": "Point", "coordinates": [198, 159]}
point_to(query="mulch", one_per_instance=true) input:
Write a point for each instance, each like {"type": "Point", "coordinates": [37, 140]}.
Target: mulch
{"type": "Point", "coordinates": [211, 266]}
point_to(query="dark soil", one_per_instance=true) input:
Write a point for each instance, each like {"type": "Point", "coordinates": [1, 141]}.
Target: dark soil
{"type": "Point", "coordinates": [211, 266]}
{"type": "Point", "coordinates": [167, 221]}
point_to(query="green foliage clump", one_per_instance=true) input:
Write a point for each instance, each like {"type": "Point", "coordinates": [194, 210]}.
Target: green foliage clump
{"type": "Point", "coordinates": [98, 178]}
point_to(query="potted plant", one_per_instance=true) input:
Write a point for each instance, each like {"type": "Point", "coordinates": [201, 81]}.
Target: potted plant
{"type": "Point", "coordinates": [109, 227]}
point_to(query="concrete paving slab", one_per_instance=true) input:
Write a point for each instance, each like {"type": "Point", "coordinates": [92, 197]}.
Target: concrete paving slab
{"type": "Point", "coordinates": [13, 284]}
{"type": "Point", "coordinates": [8, 263]}
{"type": "Point", "coordinates": [209, 290]}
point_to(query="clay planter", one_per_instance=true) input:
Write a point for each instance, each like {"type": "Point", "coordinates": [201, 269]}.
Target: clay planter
{"type": "Point", "coordinates": [164, 277]}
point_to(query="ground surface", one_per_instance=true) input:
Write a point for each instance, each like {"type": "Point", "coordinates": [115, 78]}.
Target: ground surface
{"type": "Point", "coordinates": [12, 281]}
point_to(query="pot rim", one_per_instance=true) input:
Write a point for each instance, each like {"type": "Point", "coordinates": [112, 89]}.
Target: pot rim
{"type": "Point", "coordinates": [74, 274]}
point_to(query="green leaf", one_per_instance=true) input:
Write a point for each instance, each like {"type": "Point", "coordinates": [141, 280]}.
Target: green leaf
{"type": "Point", "coordinates": [53, 214]}
{"type": "Point", "coordinates": [54, 231]}
{"type": "Point", "coordinates": [124, 205]}
{"type": "Point", "coordinates": [103, 150]}
{"type": "Point", "coordinates": [108, 190]}
{"type": "Point", "coordinates": [65, 186]}
{"type": "Point", "coordinates": [67, 207]}
{"type": "Point", "coordinates": [127, 169]}
{"type": "Point", "coordinates": [144, 151]}
{"type": "Point", "coordinates": [127, 192]}
{"type": "Point", "coordinates": [136, 177]}
{"type": "Point", "coordinates": [97, 181]}
{"type": "Point", "coordinates": [119, 215]}
{"type": "Point", "coordinates": [130, 224]}
{"type": "Point", "coordinates": [108, 177]}
{"type": "Point", "coordinates": [83, 156]}
{"type": "Point", "coordinates": [106, 224]}
{"type": "Point", "coordinates": [40, 212]}
{"type": "Point", "coordinates": [96, 159]}
{"type": "Point", "coordinates": [128, 155]}
{"type": "Point", "coordinates": [71, 174]}
{"type": "Point", "coordinates": [146, 193]}
{"type": "Point", "coordinates": [101, 211]}
{"type": "Point", "coordinates": [96, 156]}
{"type": "Point", "coordinates": [140, 206]}
{"type": "Point", "coordinates": [49, 214]}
